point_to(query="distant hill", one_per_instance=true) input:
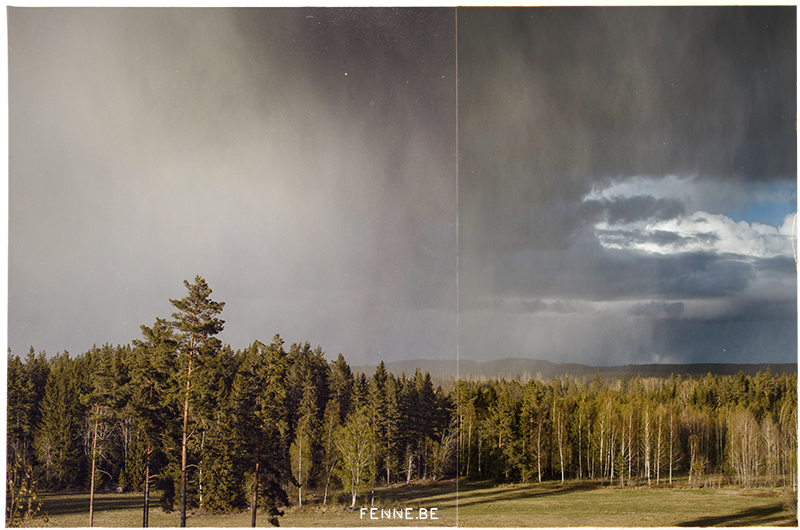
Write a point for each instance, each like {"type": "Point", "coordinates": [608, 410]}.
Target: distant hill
{"type": "Point", "coordinates": [525, 369]}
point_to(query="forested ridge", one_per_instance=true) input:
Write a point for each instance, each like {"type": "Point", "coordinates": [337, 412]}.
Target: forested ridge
{"type": "Point", "coordinates": [218, 429]}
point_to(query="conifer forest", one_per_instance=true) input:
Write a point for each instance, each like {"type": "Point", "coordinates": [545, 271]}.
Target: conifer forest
{"type": "Point", "coordinates": [178, 412]}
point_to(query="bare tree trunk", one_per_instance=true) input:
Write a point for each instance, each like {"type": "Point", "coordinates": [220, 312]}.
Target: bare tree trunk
{"type": "Point", "coordinates": [580, 445]}
{"type": "Point", "coordinates": [659, 442]}
{"type": "Point", "coordinates": [539, 450]}
{"type": "Point", "coordinates": [146, 508]}
{"type": "Point", "coordinates": [469, 447]}
{"type": "Point", "coordinates": [94, 458]}
{"type": "Point", "coordinates": [647, 444]}
{"type": "Point", "coordinates": [300, 473]}
{"type": "Point", "coordinates": [183, 446]}
{"type": "Point", "coordinates": [254, 501]}
{"type": "Point", "coordinates": [671, 442]}
{"type": "Point", "coordinates": [480, 443]}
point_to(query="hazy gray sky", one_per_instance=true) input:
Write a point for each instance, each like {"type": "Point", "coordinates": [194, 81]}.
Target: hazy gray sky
{"type": "Point", "coordinates": [627, 184]}
{"type": "Point", "coordinates": [301, 160]}
{"type": "Point", "coordinates": [624, 184]}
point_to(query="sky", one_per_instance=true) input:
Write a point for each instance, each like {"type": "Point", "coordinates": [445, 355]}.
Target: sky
{"type": "Point", "coordinates": [599, 185]}
{"type": "Point", "coordinates": [302, 161]}
{"type": "Point", "coordinates": [627, 184]}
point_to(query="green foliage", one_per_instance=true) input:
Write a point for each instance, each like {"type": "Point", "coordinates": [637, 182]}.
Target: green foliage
{"type": "Point", "coordinates": [356, 444]}
{"type": "Point", "coordinates": [196, 322]}
{"type": "Point", "coordinates": [20, 413]}
{"type": "Point", "coordinates": [57, 433]}
{"type": "Point", "coordinates": [222, 490]}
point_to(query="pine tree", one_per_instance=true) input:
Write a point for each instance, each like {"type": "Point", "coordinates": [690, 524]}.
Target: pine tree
{"type": "Point", "coordinates": [196, 324]}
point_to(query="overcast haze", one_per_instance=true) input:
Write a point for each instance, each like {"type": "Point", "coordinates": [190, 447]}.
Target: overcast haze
{"type": "Point", "coordinates": [301, 160]}
{"type": "Point", "coordinates": [623, 188]}
{"type": "Point", "coordinates": [627, 184]}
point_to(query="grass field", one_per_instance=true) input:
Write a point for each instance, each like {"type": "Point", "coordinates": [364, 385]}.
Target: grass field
{"type": "Point", "coordinates": [480, 504]}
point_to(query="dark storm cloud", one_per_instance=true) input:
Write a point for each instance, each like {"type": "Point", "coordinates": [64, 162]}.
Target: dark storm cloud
{"type": "Point", "coordinates": [584, 271]}
{"type": "Point", "coordinates": [601, 274]}
{"type": "Point", "coordinates": [589, 141]}
{"type": "Point", "coordinates": [554, 224]}
{"type": "Point", "coordinates": [639, 208]}
{"type": "Point", "coordinates": [746, 309]}
{"type": "Point", "coordinates": [563, 307]}
{"type": "Point", "coordinates": [578, 273]}
{"type": "Point", "coordinates": [693, 341]}
{"type": "Point", "coordinates": [554, 99]}
{"type": "Point", "coordinates": [657, 309]}
{"type": "Point", "coordinates": [703, 275]}
{"type": "Point", "coordinates": [608, 91]}
{"type": "Point", "coordinates": [779, 265]}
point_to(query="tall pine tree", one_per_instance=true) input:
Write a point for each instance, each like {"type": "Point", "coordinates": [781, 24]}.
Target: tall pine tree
{"type": "Point", "coordinates": [196, 324]}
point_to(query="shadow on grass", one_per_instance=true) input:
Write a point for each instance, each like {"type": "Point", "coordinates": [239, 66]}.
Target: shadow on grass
{"type": "Point", "coordinates": [770, 515]}
{"type": "Point", "coordinates": [55, 504]}
{"type": "Point", "coordinates": [477, 493]}
{"type": "Point", "coordinates": [424, 492]}
{"type": "Point", "coordinates": [473, 492]}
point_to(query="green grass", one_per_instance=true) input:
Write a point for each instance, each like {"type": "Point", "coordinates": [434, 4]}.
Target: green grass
{"type": "Point", "coordinates": [589, 504]}
{"type": "Point", "coordinates": [480, 504]}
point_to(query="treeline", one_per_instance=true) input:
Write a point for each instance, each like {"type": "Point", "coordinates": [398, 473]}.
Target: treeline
{"type": "Point", "coordinates": [719, 429]}
{"type": "Point", "coordinates": [219, 429]}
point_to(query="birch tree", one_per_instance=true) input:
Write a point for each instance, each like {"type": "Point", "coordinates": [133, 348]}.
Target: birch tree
{"type": "Point", "coordinates": [356, 446]}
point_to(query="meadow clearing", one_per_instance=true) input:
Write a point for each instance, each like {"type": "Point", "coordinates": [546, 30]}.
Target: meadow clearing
{"type": "Point", "coordinates": [477, 504]}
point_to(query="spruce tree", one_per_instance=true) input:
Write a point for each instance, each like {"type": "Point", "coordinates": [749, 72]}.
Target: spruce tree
{"type": "Point", "coordinates": [154, 406]}
{"type": "Point", "coordinates": [56, 435]}
{"type": "Point", "coordinates": [19, 422]}
{"type": "Point", "coordinates": [260, 420]}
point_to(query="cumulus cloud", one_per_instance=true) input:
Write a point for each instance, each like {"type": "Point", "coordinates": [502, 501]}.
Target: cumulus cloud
{"type": "Point", "coordinates": [699, 232]}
